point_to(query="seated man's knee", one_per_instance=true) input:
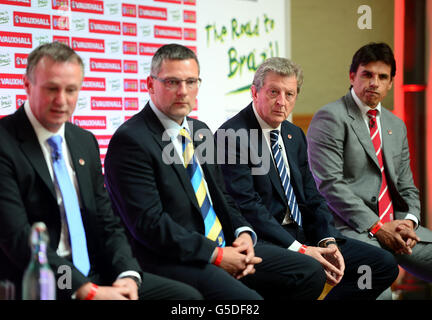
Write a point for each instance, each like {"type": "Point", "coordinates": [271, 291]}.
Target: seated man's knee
{"type": "Point", "coordinates": [314, 278]}
{"type": "Point", "coordinates": [389, 265]}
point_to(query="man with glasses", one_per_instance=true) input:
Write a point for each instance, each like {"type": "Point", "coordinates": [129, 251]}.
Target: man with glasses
{"type": "Point", "coordinates": [171, 196]}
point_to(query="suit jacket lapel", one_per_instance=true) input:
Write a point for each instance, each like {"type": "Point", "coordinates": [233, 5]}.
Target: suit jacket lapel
{"type": "Point", "coordinates": [289, 143]}
{"type": "Point", "coordinates": [273, 174]}
{"type": "Point", "coordinates": [31, 148]}
{"type": "Point", "coordinates": [157, 131]}
{"type": "Point", "coordinates": [360, 128]}
{"type": "Point", "coordinates": [80, 160]}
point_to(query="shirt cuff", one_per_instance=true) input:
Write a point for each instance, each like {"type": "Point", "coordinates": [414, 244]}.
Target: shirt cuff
{"type": "Point", "coordinates": [247, 229]}
{"type": "Point", "coordinates": [295, 246]}
{"type": "Point", "coordinates": [130, 273]}
{"type": "Point", "coordinates": [413, 218]}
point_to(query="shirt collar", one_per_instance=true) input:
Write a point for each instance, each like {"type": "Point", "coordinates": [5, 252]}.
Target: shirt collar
{"type": "Point", "coordinates": [41, 132]}
{"type": "Point", "coordinates": [264, 125]}
{"type": "Point", "coordinates": [362, 106]}
{"type": "Point", "coordinates": [172, 128]}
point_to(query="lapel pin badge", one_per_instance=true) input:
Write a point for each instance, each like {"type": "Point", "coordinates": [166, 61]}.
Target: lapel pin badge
{"type": "Point", "coordinates": [81, 161]}
{"type": "Point", "coordinates": [390, 131]}
{"type": "Point", "coordinates": [200, 135]}
{"type": "Point", "coordinates": [289, 136]}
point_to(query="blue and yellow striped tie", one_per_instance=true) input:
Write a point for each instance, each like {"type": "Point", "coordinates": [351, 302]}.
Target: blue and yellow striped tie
{"type": "Point", "coordinates": [213, 227]}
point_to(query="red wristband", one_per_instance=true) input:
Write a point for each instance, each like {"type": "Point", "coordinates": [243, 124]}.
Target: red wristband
{"type": "Point", "coordinates": [219, 256]}
{"type": "Point", "coordinates": [303, 248]}
{"type": "Point", "coordinates": [375, 228]}
{"type": "Point", "coordinates": [92, 292]}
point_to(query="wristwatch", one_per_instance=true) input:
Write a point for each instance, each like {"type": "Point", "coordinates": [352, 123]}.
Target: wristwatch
{"type": "Point", "coordinates": [326, 243]}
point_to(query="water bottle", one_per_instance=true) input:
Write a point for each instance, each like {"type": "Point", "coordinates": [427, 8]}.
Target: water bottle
{"type": "Point", "coordinates": [38, 281]}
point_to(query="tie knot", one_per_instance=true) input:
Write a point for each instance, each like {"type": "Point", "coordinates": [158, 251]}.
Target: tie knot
{"type": "Point", "coordinates": [184, 133]}
{"type": "Point", "coordinates": [372, 113]}
{"type": "Point", "coordinates": [274, 136]}
{"type": "Point", "coordinates": [55, 144]}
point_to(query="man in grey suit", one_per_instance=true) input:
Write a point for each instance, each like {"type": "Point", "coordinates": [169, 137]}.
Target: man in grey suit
{"type": "Point", "coordinates": [361, 164]}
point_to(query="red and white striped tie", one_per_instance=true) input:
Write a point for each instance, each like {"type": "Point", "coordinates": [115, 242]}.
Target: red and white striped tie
{"type": "Point", "coordinates": [385, 205]}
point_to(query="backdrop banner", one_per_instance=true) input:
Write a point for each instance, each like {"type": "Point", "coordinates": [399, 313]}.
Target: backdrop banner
{"type": "Point", "coordinates": [117, 39]}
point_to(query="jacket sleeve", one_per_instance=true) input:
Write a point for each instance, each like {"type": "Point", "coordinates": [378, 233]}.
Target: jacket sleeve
{"type": "Point", "coordinates": [405, 183]}
{"type": "Point", "coordinates": [20, 207]}
{"type": "Point", "coordinates": [115, 250]}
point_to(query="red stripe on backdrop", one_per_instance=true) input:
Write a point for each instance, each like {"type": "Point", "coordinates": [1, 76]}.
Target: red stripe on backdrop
{"type": "Point", "coordinates": [428, 125]}
{"type": "Point", "coordinates": [414, 87]}
{"type": "Point", "coordinates": [399, 23]}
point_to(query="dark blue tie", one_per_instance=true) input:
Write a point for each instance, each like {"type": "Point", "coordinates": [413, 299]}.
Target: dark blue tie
{"type": "Point", "coordinates": [70, 201]}
{"type": "Point", "coordinates": [283, 174]}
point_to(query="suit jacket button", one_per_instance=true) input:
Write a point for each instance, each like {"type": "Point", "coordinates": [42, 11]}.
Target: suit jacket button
{"type": "Point", "coordinates": [374, 199]}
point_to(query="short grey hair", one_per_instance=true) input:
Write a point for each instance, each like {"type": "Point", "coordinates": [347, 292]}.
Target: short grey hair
{"type": "Point", "coordinates": [281, 66]}
{"type": "Point", "coordinates": [171, 51]}
{"type": "Point", "coordinates": [57, 51]}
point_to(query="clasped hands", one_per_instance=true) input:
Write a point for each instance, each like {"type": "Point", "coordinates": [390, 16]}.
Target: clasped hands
{"type": "Point", "coordinates": [331, 260]}
{"type": "Point", "coordinates": [121, 289]}
{"type": "Point", "coordinates": [239, 260]}
{"type": "Point", "coordinates": [398, 236]}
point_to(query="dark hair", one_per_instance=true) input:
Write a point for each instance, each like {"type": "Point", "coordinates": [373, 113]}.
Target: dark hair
{"type": "Point", "coordinates": [373, 52]}
{"type": "Point", "coordinates": [56, 51]}
{"type": "Point", "coordinates": [171, 51]}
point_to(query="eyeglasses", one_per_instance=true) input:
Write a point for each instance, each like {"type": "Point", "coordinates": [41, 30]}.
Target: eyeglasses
{"type": "Point", "coordinates": [174, 83]}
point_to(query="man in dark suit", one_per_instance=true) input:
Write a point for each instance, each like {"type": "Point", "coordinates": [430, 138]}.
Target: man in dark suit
{"type": "Point", "coordinates": [162, 178]}
{"type": "Point", "coordinates": [31, 190]}
{"type": "Point", "coordinates": [371, 193]}
{"type": "Point", "coordinates": [277, 194]}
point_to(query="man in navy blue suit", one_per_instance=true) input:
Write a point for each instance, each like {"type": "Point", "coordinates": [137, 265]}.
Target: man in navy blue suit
{"type": "Point", "coordinates": [278, 196]}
